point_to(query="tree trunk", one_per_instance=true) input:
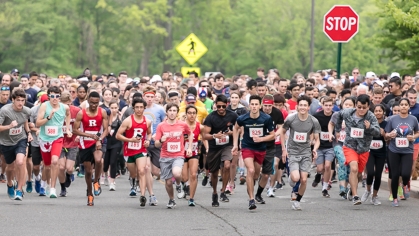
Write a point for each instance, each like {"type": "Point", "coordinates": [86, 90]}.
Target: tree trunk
{"type": "Point", "coordinates": [169, 38]}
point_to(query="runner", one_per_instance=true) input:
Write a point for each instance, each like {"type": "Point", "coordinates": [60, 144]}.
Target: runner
{"type": "Point", "coordinates": [258, 130]}
{"type": "Point", "coordinates": [51, 116]}
{"type": "Point", "coordinates": [218, 131]}
{"type": "Point", "coordinates": [170, 137]}
{"type": "Point", "coordinates": [92, 122]}
{"type": "Point", "coordinates": [138, 128]}
{"type": "Point", "coordinates": [14, 136]}
{"type": "Point", "coordinates": [361, 126]}
{"type": "Point", "coordinates": [298, 150]}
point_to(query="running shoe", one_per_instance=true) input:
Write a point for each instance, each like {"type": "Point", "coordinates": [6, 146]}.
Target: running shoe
{"type": "Point", "coordinates": [395, 203]}
{"type": "Point", "coordinates": [28, 186]}
{"type": "Point", "coordinates": [2, 178]}
{"type": "Point", "coordinates": [106, 181]}
{"type": "Point", "coordinates": [228, 189]}
{"type": "Point", "coordinates": [364, 182]}
{"type": "Point", "coordinates": [186, 190]}
{"type": "Point", "coordinates": [180, 192]}
{"type": "Point", "coordinates": [215, 202]}
{"type": "Point", "coordinates": [53, 193]}
{"type": "Point", "coordinates": [19, 195]}
{"type": "Point", "coordinates": [406, 192]}
{"type": "Point", "coordinates": [390, 198]}
{"type": "Point", "coordinates": [48, 190]}
{"type": "Point", "coordinates": [252, 204]}
{"type": "Point", "coordinates": [329, 185]}
{"type": "Point", "coordinates": [153, 201]}
{"type": "Point", "coordinates": [123, 171]}
{"type": "Point", "coordinates": [205, 181]}
{"type": "Point", "coordinates": [365, 196]}
{"type": "Point", "coordinates": [102, 180]}
{"type": "Point", "coordinates": [72, 177]}
{"type": "Point", "coordinates": [386, 169]}
{"type": "Point", "coordinates": [223, 197]}
{"type": "Point", "coordinates": [279, 186]}
{"type": "Point", "coordinates": [11, 192]}
{"type": "Point", "coordinates": [400, 193]}
{"type": "Point", "coordinates": [37, 186]}
{"type": "Point", "coordinates": [80, 175]}
{"type": "Point", "coordinates": [314, 184]}
{"type": "Point", "coordinates": [356, 200]}
{"type": "Point", "coordinates": [133, 192]}
{"type": "Point", "coordinates": [259, 199]}
{"type": "Point", "coordinates": [242, 179]}
{"type": "Point", "coordinates": [112, 187]}
{"type": "Point", "coordinates": [143, 201]}
{"type": "Point", "coordinates": [97, 189]}
{"type": "Point", "coordinates": [296, 206]}
{"type": "Point", "coordinates": [67, 180]}
{"type": "Point", "coordinates": [270, 193]}
{"type": "Point", "coordinates": [293, 196]}
{"type": "Point", "coordinates": [325, 193]}
{"type": "Point", "coordinates": [42, 192]}
{"type": "Point", "coordinates": [316, 180]}
{"type": "Point", "coordinates": [334, 180]}
{"type": "Point", "coordinates": [342, 194]}
{"type": "Point", "coordinates": [63, 193]}
{"type": "Point", "coordinates": [292, 183]}
{"type": "Point", "coordinates": [375, 201]}
{"type": "Point", "coordinates": [191, 202]}
{"type": "Point", "coordinates": [349, 194]}
{"type": "Point", "coordinates": [171, 204]}
{"type": "Point", "coordinates": [90, 199]}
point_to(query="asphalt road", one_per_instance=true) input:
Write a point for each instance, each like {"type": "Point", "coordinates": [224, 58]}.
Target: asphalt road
{"type": "Point", "coordinates": [115, 213]}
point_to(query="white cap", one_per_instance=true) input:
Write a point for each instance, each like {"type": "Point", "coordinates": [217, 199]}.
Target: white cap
{"type": "Point", "coordinates": [394, 74]}
{"type": "Point", "coordinates": [379, 82]}
{"type": "Point", "coordinates": [370, 75]}
{"type": "Point", "coordinates": [155, 78]}
{"type": "Point", "coordinates": [83, 79]}
{"type": "Point", "coordinates": [129, 80]}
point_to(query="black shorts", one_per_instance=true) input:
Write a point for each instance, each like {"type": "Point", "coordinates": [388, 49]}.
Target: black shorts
{"type": "Point", "coordinates": [10, 152]}
{"type": "Point", "coordinates": [192, 157]}
{"type": "Point", "coordinates": [86, 155]}
{"type": "Point", "coordinates": [268, 161]}
{"type": "Point", "coordinates": [36, 155]}
{"type": "Point", "coordinates": [154, 153]}
{"type": "Point", "coordinates": [216, 157]}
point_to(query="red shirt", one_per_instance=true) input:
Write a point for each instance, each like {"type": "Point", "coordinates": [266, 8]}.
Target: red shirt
{"type": "Point", "coordinates": [90, 125]}
{"type": "Point", "coordinates": [69, 142]}
{"type": "Point", "coordinates": [292, 104]}
{"type": "Point", "coordinates": [131, 148]}
{"type": "Point", "coordinates": [174, 144]}
{"type": "Point", "coordinates": [196, 133]}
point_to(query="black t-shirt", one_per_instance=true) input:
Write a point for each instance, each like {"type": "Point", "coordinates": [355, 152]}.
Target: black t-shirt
{"type": "Point", "coordinates": [324, 134]}
{"type": "Point", "coordinates": [389, 97]}
{"type": "Point", "coordinates": [220, 123]}
{"type": "Point", "coordinates": [112, 142]}
{"type": "Point", "coordinates": [278, 119]}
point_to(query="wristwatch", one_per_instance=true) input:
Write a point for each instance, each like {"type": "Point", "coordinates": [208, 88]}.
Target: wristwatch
{"type": "Point", "coordinates": [48, 118]}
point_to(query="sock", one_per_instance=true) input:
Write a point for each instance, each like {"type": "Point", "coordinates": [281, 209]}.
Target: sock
{"type": "Point", "coordinates": [132, 182]}
{"type": "Point", "coordinates": [43, 184]}
{"type": "Point", "coordinates": [259, 191]}
{"type": "Point", "coordinates": [62, 186]}
{"type": "Point", "coordinates": [299, 197]}
{"type": "Point", "coordinates": [325, 184]}
{"type": "Point", "coordinates": [38, 177]}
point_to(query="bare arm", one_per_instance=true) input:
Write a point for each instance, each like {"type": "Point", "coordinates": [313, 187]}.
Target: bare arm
{"type": "Point", "coordinates": [40, 121]}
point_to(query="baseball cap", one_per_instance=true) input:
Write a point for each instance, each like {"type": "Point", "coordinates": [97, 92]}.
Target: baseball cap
{"type": "Point", "coordinates": [379, 82]}
{"type": "Point", "coordinates": [202, 92]}
{"type": "Point", "coordinates": [44, 98]}
{"type": "Point", "coordinates": [25, 76]}
{"type": "Point", "coordinates": [394, 74]}
{"type": "Point", "coordinates": [370, 75]}
{"type": "Point", "coordinates": [190, 98]}
{"type": "Point", "coordinates": [129, 80]}
{"type": "Point", "coordinates": [111, 74]}
{"type": "Point", "coordinates": [135, 84]}
{"type": "Point", "coordinates": [155, 78]}
{"type": "Point", "coordinates": [14, 71]}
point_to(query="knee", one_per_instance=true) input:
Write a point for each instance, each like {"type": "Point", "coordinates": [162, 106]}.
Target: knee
{"type": "Point", "coordinates": [354, 170]}
{"type": "Point", "coordinates": [251, 171]}
{"type": "Point", "coordinates": [303, 180]}
{"type": "Point", "coordinates": [141, 172]}
{"type": "Point", "coordinates": [88, 171]}
{"type": "Point", "coordinates": [327, 167]}
{"type": "Point", "coordinates": [227, 165]}
{"type": "Point", "coordinates": [62, 168]}
{"type": "Point", "coordinates": [19, 163]}
{"type": "Point", "coordinates": [193, 176]}
{"type": "Point", "coordinates": [36, 168]}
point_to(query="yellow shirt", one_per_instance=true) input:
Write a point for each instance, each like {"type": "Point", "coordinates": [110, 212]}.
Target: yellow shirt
{"type": "Point", "coordinates": [200, 106]}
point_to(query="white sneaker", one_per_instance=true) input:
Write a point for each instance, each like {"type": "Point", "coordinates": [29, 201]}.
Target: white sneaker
{"type": "Point", "coordinates": [292, 183]}
{"type": "Point", "coordinates": [180, 192]}
{"type": "Point", "coordinates": [106, 181]}
{"type": "Point", "coordinates": [365, 196]}
{"type": "Point", "coordinates": [48, 190]}
{"type": "Point", "coordinates": [270, 192]}
{"type": "Point", "coordinates": [112, 187]}
{"type": "Point", "coordinates": [296, 205]}
{"type": "Point", "coordinates": [53, 193]}
{"type": "Point", "coordinates": [102, 180]}
{"type": "Point", "coordinates": [375, 201]}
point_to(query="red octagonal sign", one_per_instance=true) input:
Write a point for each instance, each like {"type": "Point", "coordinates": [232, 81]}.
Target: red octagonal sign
{"type": "Point", "coordinates": [341, 23]}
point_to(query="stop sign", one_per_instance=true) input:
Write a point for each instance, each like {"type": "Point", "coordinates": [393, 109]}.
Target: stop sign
{"type": "Point", "coordinates": [341, 23]}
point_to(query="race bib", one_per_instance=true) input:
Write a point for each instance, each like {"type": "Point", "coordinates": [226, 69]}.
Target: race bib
{"type": "Point", "coordinates": [89, 132]}
{"type": "Point", "coordinates": [135, 146]}
{"type": "Point", "coordinates": [300, 137]}
{"type": "Point", "coordinates": [222, 141]}
{"type": "Point", "coordinates": [342, 136]}
{"type": "Point", "coordinates": [255, 132]}
{"type": "Point", "coordinates": [324, 136]}
{"type": "Point", "coordinates": [376, 144]}
{"type": "Point", "coordinates": [173, 146]}
{"type": "Point", "coordinates": [194, 146]}
{"type": "Point", "coordinates": [16, 131]}
{"type": "Point", "coordinates": [357, 133]}
{"type": "Point", "coordinates": [277, 138]}
{"type": "Point", "coordinates": [402, 142]}
{"type": "Point", "coordinates": [65, 129]}
{"type": "Point", "coordinates": [51, 130]}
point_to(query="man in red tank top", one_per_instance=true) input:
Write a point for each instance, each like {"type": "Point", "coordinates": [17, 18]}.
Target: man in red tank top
{"type": "Point", "coordinates": [90, 125]}
{"type": "Point", "coordinates": [136, 140]}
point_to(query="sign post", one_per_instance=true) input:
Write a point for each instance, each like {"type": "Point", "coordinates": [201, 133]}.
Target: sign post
{"type": "Point", "coordinates": [340, 24]}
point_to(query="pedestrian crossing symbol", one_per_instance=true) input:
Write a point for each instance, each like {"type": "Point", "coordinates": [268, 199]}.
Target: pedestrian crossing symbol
{"type": "Point", "coordinates": [191, 49]}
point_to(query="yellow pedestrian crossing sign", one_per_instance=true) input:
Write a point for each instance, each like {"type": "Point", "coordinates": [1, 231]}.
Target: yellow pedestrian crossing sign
{"type": "Point", "coordinates": [186, 70]}
{"type": "Point", "coordinates": [191, 49]}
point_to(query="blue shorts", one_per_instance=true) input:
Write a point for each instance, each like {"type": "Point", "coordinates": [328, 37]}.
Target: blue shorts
{"type": "Point", "coordinates": [10, 152]}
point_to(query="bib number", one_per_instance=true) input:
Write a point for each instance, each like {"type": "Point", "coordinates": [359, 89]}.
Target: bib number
{"type": "Point", "coordinates": [135, 146]}
{"type": "Point", "coordinates": [16, 131]}
{"type": "Point", "coordinates": [324, 136]}
{"type": "Point", "coordinates": [65, 129]}
{"type": "Point", "coordinates": [376, 144]}
{"type": "Point", "coordinates": [194, 146]}
{"type": "Point", "coordinates": [402, 142]}
{"type": "Point", "coordinates": [255, 132]}
{"type": "Point", "coordinates": [277, 138]}
{"type": "Point", "coordinates": [300, 137]}
{"type": "Point", "coordinates": [89, 132]}
{"type": "Point", "coordinates": [342, 136]}
{"type": "Point", "coordinates": [222, 141]}
{"type": "Point", "coordinates": [357, 133]}
{"type": "Point", "coordinates": [51, 130]}
{"type": "Point", "coordinates": [173, 146]}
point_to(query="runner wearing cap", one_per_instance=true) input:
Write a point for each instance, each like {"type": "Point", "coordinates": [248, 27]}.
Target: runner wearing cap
{"type": "Point", "coordinates": [191, 99]}
{"type": "Point", "coordinates": [204, 95]}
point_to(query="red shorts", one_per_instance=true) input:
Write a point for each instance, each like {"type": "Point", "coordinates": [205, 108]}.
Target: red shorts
{"type": "Point", "coordinates": [351, 155]}
{"type": "Point", "coordinates": [258, 156]}
{"type": "Point", "coordinates": [49, 149]}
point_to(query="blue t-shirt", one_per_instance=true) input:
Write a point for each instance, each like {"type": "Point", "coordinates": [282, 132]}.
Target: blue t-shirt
{"type": "Point", "coordinates": [260, 126]}
{"type": "Point", "coordinates": [31, 95]}
{"type": "Point", "coordinates": [155, 114]}
{"type": "Point", "coordinates": [8, 101]}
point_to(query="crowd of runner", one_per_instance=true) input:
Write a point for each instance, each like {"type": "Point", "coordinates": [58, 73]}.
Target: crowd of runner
{"type": "Point", "coordinates": [351, 128]}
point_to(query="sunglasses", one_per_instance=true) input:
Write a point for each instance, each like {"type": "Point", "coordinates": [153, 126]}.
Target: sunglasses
{"type": "Point", "coordinates": [309, 85]}
{"type": "Point", "coordinates": [61, 76]}
{"type": "Point", "coordinates": [54, 95]}
{"type": "Point", "coordinates": [355, 72]}
{"type": "Point", "coordinates": [221, 106]}
{"type": "Point", "coordinates": [5, 88]}
{"type": "Point", "coordinates": [72, 91]}
{"type": "Point", "coordinates": [386, 91]}
{"type": "Point", "coordinates": [115, 96]}
{"type": "Point", "coordinates": [205, 86]}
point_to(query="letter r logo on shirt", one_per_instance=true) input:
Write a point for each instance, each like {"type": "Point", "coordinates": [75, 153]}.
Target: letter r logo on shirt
{"type": "Point", "coordinates": [92, 122]}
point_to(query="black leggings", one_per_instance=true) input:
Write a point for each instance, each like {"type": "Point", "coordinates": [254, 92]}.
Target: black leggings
{"type": "Point", "coordinates": [401, 165]}
{"type": "Point", "coordinates": [111, 157]}
{"type": "Point", "coordinates": [375, 166]}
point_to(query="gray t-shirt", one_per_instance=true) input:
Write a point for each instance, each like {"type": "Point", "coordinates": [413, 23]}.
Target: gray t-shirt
{"type": "Point", "coordinates": [12, 136]}
{"type": "Point", "coordinates": [33, 117]}
{"type": "Point", "coordinates": [403, 126]}
{"type": "Point", "coordinates": [299, 138]}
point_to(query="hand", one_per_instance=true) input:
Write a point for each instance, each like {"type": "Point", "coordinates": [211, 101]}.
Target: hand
{"type": "Point", "coordinates": [343, 125]}
{"type": "Point", "coordinates": [189, 152]}
{"type": "Point", "coordinates": [314, 154]}
{"type": "Point", "coordinates": [69, 134]}
{"type": "Point", "coordinates": [13, 124]}
{"type": "Point", "coordinates": [382, 132]}
{"type": "Point", "coordinates": [337, 135]}
{"type": "Point", "coordinates": [331, 137]}
{"type": "Point", "coordinates": [230, 132]}
{"type": "Point", "coordinates": [392, 134]}
{"type": "Point", "coordinates": [37, 133]}
{"type": "Point", "coordinates": [94, 136]}
{"type": "Point", "coordinates": [284, 156]}
{"type": "Point", "coordinates": [163, 138]}
{"type": "Point", "coordinates": [31, 125]}
{"type": "Point", "coordinates": [77, 139]}
{"type": "Point", "coordinates": [234, 150]}
{"type": "Point", "coordinates": [98, 145]}
{"type": "Point", "coordinates": [30, 138]}
{"type": "Point", "coordinates": [153, 137]}
{"type": "Point", "coordinates": [257, 139]}
{"type": "Point", "coordinates": [367, 124]}
{"type": "Point", "coordinates": [146, 143]}
{"type": "Point", "coordinates": [411, 138]}
{"type": "Point", "coordinates": [52, 113]}
{"type": "Point", "coordinates": [135, 139]}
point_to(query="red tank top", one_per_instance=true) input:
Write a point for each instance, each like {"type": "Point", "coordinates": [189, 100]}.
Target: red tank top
{"type": "Point", "coordinates": [90, 125]}
{"type": "Point", "coordinates": [131, 148]}
{"type": "Point", "coordinates": [196, 132]}
{"type": "Point", "coordinates": [69, 142]}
